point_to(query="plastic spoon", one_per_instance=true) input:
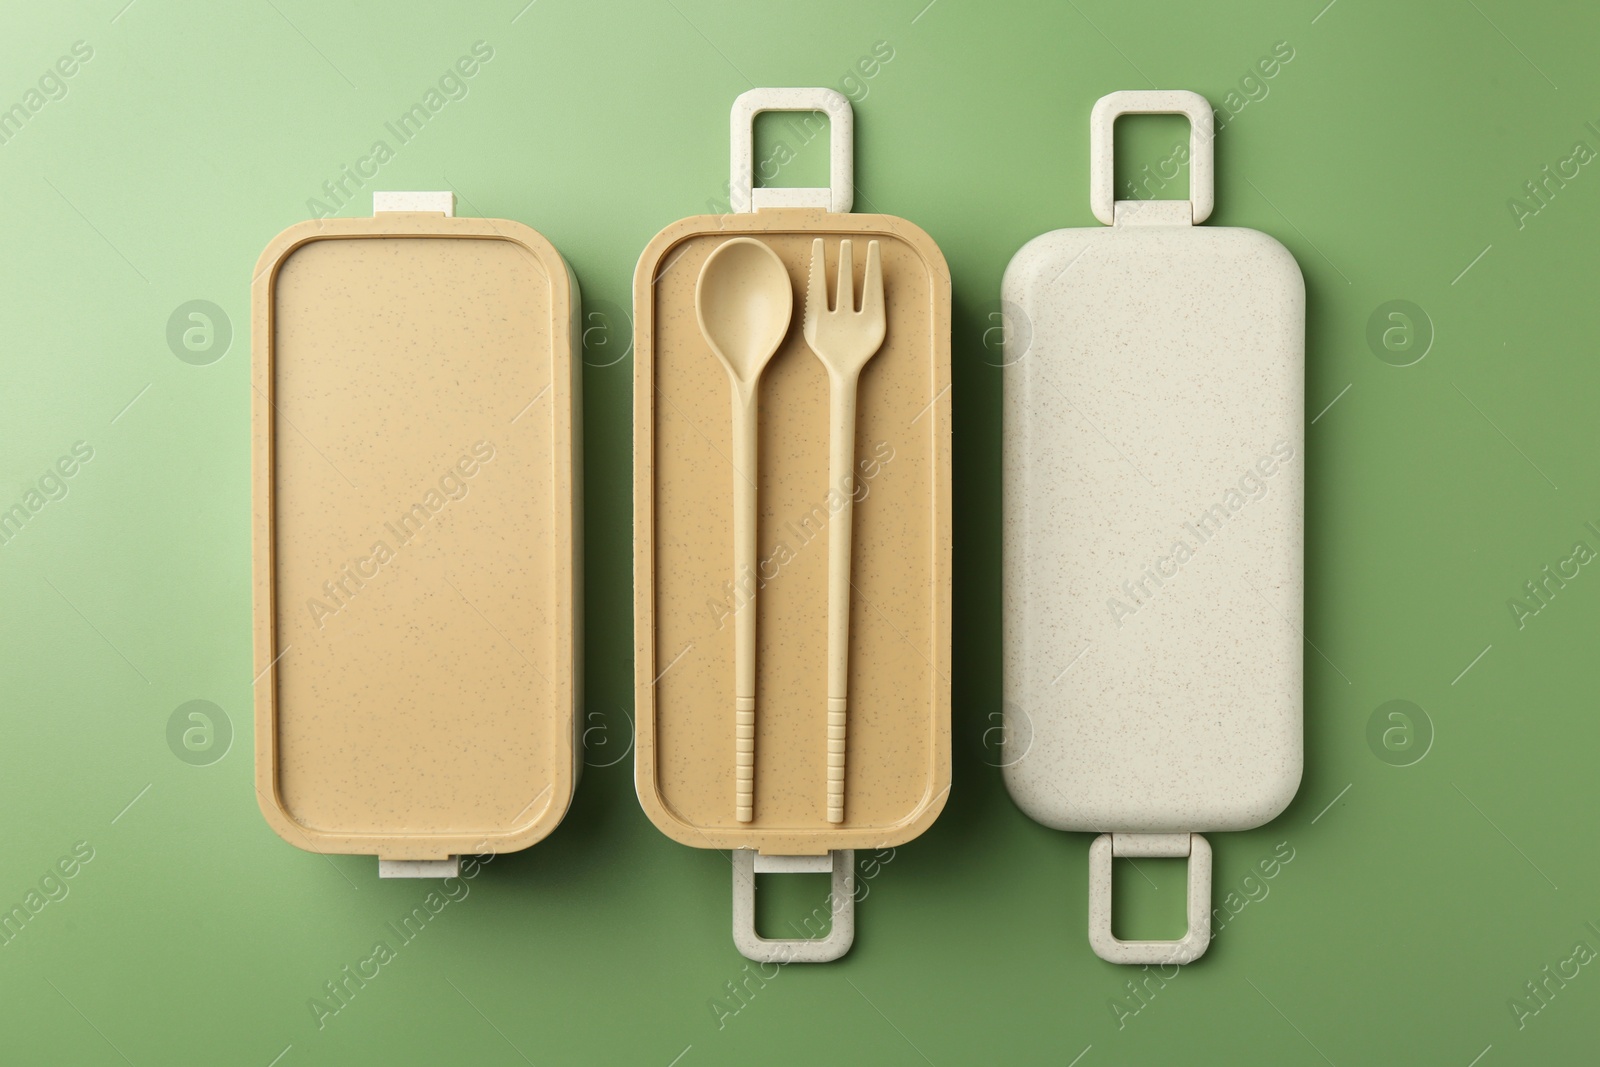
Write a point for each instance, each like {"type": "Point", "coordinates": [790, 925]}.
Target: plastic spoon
{"type": "Point", "coordinates": [743, 302]}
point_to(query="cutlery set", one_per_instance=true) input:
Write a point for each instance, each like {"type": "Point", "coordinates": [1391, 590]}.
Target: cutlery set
{"type": "Point", "coordinates": [743, 304]}
{"type": "Point", "coordinates": [436, 713]}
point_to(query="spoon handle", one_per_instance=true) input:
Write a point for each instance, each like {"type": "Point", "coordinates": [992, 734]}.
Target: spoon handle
{"type": "Point", "coordinates": [745, 476]}
{"type": "Point", "coordinates": [841, 467]}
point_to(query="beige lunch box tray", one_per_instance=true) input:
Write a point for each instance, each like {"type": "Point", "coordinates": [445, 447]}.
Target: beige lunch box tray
{"type": "Point", "coordinates": [415, 516]}
{"type": "Point", "coordinates": [896, 752]}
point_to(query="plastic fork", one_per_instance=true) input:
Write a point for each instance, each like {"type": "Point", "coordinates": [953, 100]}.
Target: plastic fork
{"type": "Point", "coordinates": [844, 338]}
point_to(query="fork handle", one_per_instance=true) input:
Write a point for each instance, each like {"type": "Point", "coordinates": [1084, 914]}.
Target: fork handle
{"type": "Point", "coordinates": [836, 722]}
{"type": "Point", "coordinates": [841, 468]}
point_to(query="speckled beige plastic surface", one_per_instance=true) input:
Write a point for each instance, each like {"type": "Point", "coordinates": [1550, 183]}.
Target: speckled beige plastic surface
{"type": "Point", "coordinates": [898, 770]}
{"type": "Point", "coordinates": [1154, 480]}
{"type": "Point", "coordinates": [416, 613]}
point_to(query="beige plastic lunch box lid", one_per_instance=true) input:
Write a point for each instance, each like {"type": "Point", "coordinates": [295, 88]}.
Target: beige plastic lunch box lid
{"type": "Point", "coordinates": [1154, 483]}
{"type": "Point", "coordinates": [747, 738]}
{"type": "Point", "coordinates": [415, 518]}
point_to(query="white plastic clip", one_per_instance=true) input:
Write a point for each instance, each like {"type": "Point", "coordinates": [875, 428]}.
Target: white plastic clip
{"type": "Point", "coordinates": [445, 868]}
{"type": "Point", "coordinates": [445, 202]}
{"type": "Point", "coordinates": [840, 194]}
{"type": "Point", "coordinates": [1194, 943]}
{"type": "Point", "coordinates": [1202, 150]}
{"type": "Point", "coordinates": [841, 896]}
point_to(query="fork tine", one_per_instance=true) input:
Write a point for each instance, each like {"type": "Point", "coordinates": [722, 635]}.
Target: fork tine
{"type": "Point", "coordinates": [816, 289]}
{"type": "Point", "coordinates": [872, 285]}
{"type": "Point", "coordinates": [844, 299]}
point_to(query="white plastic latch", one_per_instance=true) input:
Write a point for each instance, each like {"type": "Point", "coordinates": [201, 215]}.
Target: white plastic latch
{"type": "Point", "coordinates": [841, 898]}
{"type": "Point", "coordinates": [445, 202]}
{"type": "Point", "coordinates": [743, 196]}
{"type": "Point", "coordinates": [1202, 154]}
{"type": "Point", "coordinates": [445, 868]}
{"type": "Point", "coordinates": [1193, 944]}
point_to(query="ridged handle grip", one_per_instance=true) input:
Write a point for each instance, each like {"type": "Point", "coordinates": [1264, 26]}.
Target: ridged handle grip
{"type": "Point", "coordinates": [744, 768]}
{"type": "Point", "coordinates": [836, 727]}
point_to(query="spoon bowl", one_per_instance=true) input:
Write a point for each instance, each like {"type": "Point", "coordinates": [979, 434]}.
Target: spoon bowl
{"type": "Point", "coordinates": [743, 302]}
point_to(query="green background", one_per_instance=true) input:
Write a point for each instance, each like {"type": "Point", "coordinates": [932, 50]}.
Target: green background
{"type": "Point", "coordinates": [1420, 899]}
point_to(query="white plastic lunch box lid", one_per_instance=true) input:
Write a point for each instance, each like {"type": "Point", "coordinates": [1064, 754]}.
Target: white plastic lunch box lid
{"type": "Point", "coordinates": [1154, 488]}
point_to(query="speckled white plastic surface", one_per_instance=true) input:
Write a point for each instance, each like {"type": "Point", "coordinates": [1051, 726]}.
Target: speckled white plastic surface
{"type": "Point", "coordinates": [1113, 949]}
{"type": "Point", "coordinates": [840, 194]}
{"type": "Point", "coordinates": [1153, 463]}
{"type": "Point", "coordinates": [840, 862]}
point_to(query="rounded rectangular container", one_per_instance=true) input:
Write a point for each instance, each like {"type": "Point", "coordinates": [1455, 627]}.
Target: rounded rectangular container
{"type": "Point", "coordinates": [898, 766]}
{"type": "Point", "coordinates": [416, 509]}
{"type": "Point", "coordinates": [1153, 498]}
{"type": "Point", "coordinates": [686, 602]}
